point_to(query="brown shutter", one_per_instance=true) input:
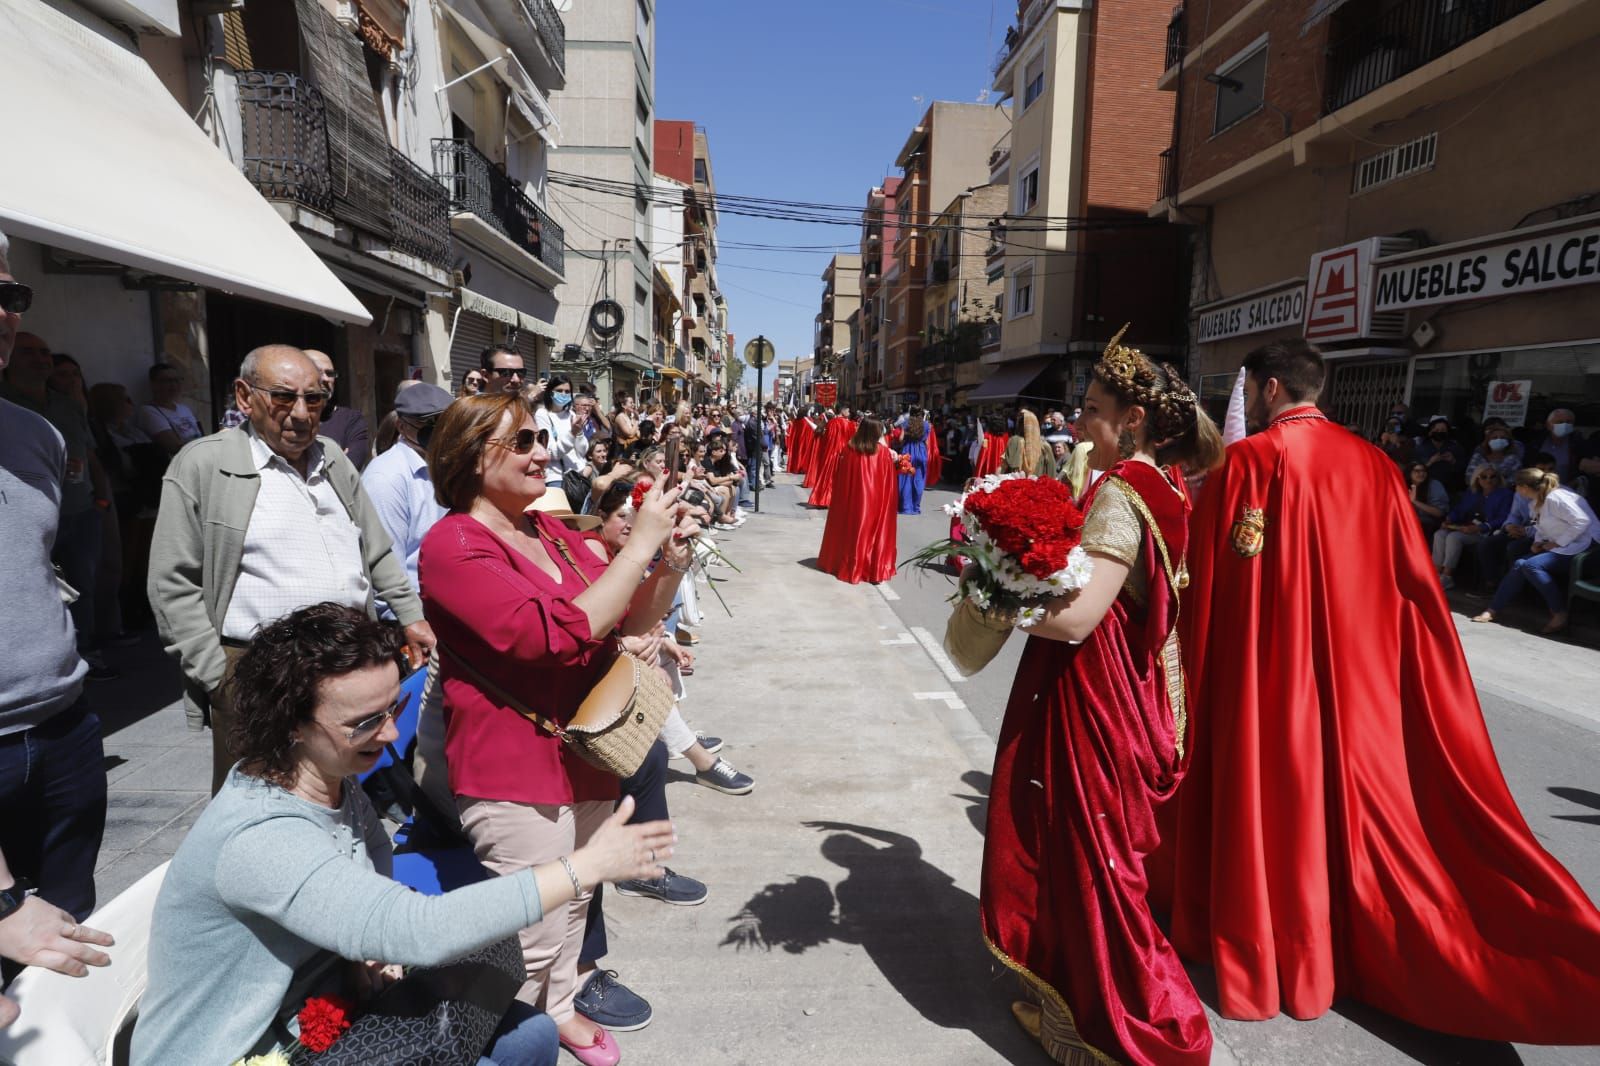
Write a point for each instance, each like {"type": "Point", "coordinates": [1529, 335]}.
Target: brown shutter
{"type": "Point", "coordinates": [358, 149]}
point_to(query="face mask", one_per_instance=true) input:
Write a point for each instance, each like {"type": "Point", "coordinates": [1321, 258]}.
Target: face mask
{"type": "Point", "coordinates": [1561, 429]}
{"type": "Point", "coordinates": [1499, 444]}
{"type": "Point", "coordinates": [1439, 434]}
{"type": "Point", "coordinates": [563, 399]}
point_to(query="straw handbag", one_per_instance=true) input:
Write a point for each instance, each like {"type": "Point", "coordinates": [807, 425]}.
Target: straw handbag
{"type": "Point", "coordinates": [620, 717]}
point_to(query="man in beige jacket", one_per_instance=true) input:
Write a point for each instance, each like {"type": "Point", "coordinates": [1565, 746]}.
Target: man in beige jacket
{"type": "Point", "coordinates": [258, 521]}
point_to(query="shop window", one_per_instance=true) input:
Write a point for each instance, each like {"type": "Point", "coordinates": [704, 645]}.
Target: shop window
{"type": "Point", "coordinates": [1240, 85]}
{"type": "Point", "coordinates": [1457, 386]}
{"type": "Point", "coordinates": [1033, 81]}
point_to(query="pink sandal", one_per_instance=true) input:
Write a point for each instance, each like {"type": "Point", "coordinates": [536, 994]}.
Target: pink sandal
{"type": "Point", "coordinates": [603, 1052]}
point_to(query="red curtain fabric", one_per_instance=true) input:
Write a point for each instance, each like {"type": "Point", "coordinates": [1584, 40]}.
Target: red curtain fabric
{"type": "Point", "coordinates": [840, 430]}
{"type": "Point", "coordinates": [1345, 829]}
{"type": "Point", "coordinates": [858, 542]}
{"type": "Point", "coordinates": [1087, 752]}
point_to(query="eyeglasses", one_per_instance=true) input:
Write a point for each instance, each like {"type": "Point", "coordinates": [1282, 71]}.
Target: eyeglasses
{"type": "Point", "coordinates": [286, 398]}
{"type": "Point", "coordinates": [372, 723]}
{"type": "Point", "coordinates": [506, 371]}
{"type": "Point", "coordinates": [15, 297]}
{"type": "Point", "coordinates": [523, 441]}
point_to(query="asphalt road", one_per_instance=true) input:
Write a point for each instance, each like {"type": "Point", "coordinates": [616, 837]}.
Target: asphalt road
{"type": "Point", "coordinates": [1551, 764]}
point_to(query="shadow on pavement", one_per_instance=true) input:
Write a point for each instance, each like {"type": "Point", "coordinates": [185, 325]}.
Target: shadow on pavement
{"type": "Point", "coordinates": [810, 564]}
{"type": "Point", "coordinates": [1424, 1045]}
{"type": "Point", "coordinates": [916, 925]}
{"type": "Point", "coordinates": [977, 805]}
{"type": "Point", "coordinates": [1583, 798]}
{"type": "Point", "coordinates": [150, 681]}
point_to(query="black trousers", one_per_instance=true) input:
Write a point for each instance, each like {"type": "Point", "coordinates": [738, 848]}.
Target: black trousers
{"type": "Point", "coordinates": [648, 787]}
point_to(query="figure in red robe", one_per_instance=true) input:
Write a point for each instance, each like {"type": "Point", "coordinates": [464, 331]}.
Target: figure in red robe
{"type": "Point", "coordinates": [840, 430]}
{"type": "Point", "coordinates": [1345, 829]}
{"type": "Point", "coordinates": [935, 459]}
{"type": "Point", "coordinates": [859, 539]}
{"type": "Point", "coordinates": [1093, 745]}
{"type": "Point", "coordinates": [802, 444]}
{"type": "Point", "coordinates": [819, 436]}
{"type": "Point", "coordinates": [993, 450]}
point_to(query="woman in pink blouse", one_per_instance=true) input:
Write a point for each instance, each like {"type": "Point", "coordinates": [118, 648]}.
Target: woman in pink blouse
{"type": "Point", "coordinates": [507, 606]}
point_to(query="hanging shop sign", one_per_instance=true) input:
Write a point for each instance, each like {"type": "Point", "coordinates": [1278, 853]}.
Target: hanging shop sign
{"type": "Point", "coordinates": [1508, 400]}
{"type": "Point", "coordinates": [1274, 307]}
{"type": "Point", "coordinates": [1492, 266]}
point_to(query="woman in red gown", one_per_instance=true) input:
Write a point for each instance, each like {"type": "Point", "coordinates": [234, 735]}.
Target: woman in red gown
{"type": "Point", "coordinates": [858, 542]}
{"type": "Point", "coordinates": [1093, 743]}
{"type": "Point", "coordinates": [840, 430]}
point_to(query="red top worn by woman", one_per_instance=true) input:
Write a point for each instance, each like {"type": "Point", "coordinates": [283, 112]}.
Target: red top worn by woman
{"type": "Point", "coordinates": [521, 629]}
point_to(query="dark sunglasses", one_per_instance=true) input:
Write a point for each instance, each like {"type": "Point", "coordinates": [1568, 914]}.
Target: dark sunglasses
{"type": "Point", "coordinates": [524, 440]}
{"type": "Point", "coordinates": [287, 397]}
{"type": "Point", "coordinates": [506, 371]}
{"type": "Point", "coordinates": [15, 297]}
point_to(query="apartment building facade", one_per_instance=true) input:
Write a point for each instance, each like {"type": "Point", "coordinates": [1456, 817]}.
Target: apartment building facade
{"type": "Point", "coordinates": [833, 346]}
{"type": "Point", "coordinates": [1079, 255]}
{"type": "Point", "coordinates": [683, 156]}
{"type": "Point", "coordinates": [1368, 178]}
{"type": "Point", "coordinates": [607, 117]}
{"type": "Point", "coordinates": [879, 224]}
{"type": "Point", "coordinates": [961, 299]}
{"type": "Point", "coordinates": [947, 152]}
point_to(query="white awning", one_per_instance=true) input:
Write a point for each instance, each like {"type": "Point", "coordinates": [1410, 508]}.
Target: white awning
{"type": "Point", "coordinates": [102, 161]}
{"type": "Point", "coordinates": [479, 304]}
{"type": "Point", "coordinates": [525, 95]}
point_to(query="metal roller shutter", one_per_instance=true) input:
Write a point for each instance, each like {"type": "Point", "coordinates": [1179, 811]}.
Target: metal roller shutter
{"type": "Point", "coordinates": [474, 333]}
{"type": "Point", "coordinates": [527, 343]}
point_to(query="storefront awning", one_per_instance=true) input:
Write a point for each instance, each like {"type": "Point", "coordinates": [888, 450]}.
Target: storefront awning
{"type": "Point", "coordinates": [1009, 381]}
{"type": "Point", "coordinates": [107, 164]}
{"type": "Point", "coordinates": [479, 304]}
{"type": "Point", "coordinates": [525, 95]}
{"type": "Point", "coordinates": [671, 372]}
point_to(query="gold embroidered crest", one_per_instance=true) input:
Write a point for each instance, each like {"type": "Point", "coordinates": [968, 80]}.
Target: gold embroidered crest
{"type": "Point", "coordinates": [1250, 532]}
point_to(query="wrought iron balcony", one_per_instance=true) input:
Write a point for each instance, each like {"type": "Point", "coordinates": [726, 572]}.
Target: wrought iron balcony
{"type": "Point", "coordinates": [1377, 51]}
{"type": "Point", "coordinates": [1169, 173]}
{"type": "Point", "coordinates": [552, 30]}
{"type": "Point", "coordinates": [287, 157]}
{"type": "Point", "coordinates": [476, 185]}
{"type": "Point", "coordinates": [990, 337]}
{"type": "Point", "coordinates": [419, 210]}
{"type": "Point", "coordinates": [1175, 39]}
{"type": "Point", "coordinates": [680, 361]}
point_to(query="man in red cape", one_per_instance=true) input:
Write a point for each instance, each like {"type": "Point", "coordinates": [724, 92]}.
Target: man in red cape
{"type": "Point", "coordinates": [859, 539]}
{"type": "Point", "coordinates": [840, 430]}
{"type": "Point", "coordinates": [1345, 829]}
{"type": "Point", "coordinates": [802, 443]}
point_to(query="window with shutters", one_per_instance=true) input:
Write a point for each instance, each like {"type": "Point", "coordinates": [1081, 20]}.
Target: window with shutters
{"type": "Point", "coordinates": [1241, 85]}
{"type": "Point", "coordinates": [1033, 81]}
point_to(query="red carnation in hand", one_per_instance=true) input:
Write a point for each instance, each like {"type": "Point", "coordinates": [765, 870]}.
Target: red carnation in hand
{"type": "Point", "coordinates": [322, 1021]}
{"type": "Point", "coordinates": [640, 487]}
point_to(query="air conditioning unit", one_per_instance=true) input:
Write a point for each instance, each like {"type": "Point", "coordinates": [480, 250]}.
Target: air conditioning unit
{"type": "Point", "coordinates": [1390, 325]}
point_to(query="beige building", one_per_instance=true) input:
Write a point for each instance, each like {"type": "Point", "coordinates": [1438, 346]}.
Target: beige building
{"type": "Point", "coordinates": [961, 297]}
{"type": "Point", "coordinates": [841, 298]}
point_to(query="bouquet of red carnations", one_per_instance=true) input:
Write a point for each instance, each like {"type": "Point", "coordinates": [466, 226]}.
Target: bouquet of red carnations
{"type": "Point", "coordinates": [905, 466]}
{"type": "Point", "coordinates": [1023, 549]}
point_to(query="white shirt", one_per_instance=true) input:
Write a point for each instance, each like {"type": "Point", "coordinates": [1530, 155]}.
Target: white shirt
{"type": "Point", "coordinates": [566, 448]}
{"type": "Point", "coordinates": [300, 548]}
{"type": "Point", "coordinates": [397, 484]}
{"type": "Point", "coordinates": [1567, 521]}
{"type": "Point", "coordinates": [178, 418]}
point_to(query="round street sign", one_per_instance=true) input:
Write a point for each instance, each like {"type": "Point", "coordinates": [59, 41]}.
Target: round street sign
{"type": "Point", "coordinates": [759, 353]}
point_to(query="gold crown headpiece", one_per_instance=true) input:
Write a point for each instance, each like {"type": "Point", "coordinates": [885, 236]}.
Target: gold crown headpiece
{"type": "Point", "coordinates": [1134, 376]}
{"type": "Point", "coordinates": [1125, 368]}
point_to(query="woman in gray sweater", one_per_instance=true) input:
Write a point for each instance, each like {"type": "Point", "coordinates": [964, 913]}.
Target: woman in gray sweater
{"type": "Point", "coordinates": [290, 861]}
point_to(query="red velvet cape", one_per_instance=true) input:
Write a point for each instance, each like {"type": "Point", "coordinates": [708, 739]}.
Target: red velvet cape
{"type": "Point", "coordinates": [858, 541]}
{"type": "Point", "coordinates": [935, 459]}
{"type": "Point", "coordinates": [840, 430]}
{"type": "Point", "coordinates": [1088, 750]}
{"type": "Point", "coordinates": [802, 444]}
{"type": "Point", "coordinates": [990, 455]}
{"type": "Point", "coordinates": [1345, 829]}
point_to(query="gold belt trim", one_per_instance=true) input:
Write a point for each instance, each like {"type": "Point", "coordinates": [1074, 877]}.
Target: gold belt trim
{"type": "Point", "coordinates": [1046, 991]}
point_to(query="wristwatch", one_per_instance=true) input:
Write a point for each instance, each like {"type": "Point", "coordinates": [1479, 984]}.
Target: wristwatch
{"type": "Point", "coordinates": [13, 897]}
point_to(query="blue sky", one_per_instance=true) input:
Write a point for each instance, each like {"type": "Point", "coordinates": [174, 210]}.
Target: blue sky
{"type": "Point", "coordinates": [809, 102]}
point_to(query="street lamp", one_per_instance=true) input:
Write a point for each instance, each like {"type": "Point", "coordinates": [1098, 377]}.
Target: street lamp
{"type": "Point", "coordinates": [759, 353]}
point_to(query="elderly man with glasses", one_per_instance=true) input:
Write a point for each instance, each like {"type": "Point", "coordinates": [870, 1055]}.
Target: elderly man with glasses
{"type": "Point", "coordinates": [259, 521]}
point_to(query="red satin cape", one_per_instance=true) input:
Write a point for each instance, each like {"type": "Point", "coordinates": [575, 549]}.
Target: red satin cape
{"type": "Point", "coordinates": [802, 443]}
{"type": "Point", "coordinates": [840, 430]}
{"type": "Point", "coordinates": [858, 541]}
{"type": "Point", "coordinates": [1345, 829]}
{"type": "Point", "coordinates": [935, 459]}
{"type": "Point", "coordinates": [1088, 750]}
{"type": "Point", "coordinates": [991, 454]}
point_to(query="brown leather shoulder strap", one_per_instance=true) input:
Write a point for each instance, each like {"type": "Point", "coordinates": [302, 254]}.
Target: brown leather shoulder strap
{"type": "Point", "coordinates": [502, 695]}
{"type": "Point", "coordinates": [561, 546]}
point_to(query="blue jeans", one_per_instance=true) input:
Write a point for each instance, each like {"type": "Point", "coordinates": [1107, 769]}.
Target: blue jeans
{"type": "Point", "coordinates": [525, 1038]}
{"type": "Point", "coordinates": [53, 793]}
{"type": "Point", "coordinates": [1547, 572]}
{"type": "Point", "coordinates": [77, 551]}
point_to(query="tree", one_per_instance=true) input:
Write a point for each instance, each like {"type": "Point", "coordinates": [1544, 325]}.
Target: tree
{"type": "Point", "coordinates": [735, 373]}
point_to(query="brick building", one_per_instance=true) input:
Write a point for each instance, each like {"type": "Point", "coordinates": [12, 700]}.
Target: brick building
{"type": "Point", "coordinates": [1411, 184]}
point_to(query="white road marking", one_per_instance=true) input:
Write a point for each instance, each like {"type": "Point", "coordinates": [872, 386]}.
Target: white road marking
{"type": "Point", "coordinates": [887, 593]}
{"type": "Point", "coordinates": [903, 638]}
{"type": "Point", "coordinates": [935, 652]}
{"type": "Point", "coordinates": [949, 699]}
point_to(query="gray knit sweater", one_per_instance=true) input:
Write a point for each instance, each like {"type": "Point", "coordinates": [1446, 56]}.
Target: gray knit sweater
{"type": "Point", "coordinates": [263, 883]}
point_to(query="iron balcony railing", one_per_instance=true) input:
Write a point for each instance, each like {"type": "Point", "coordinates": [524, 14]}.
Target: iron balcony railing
{"type": "Point", "coordinates": [990, 337]}
{"type": "Point", "coordinates": [1169, 173]}
{"type": "Point", "coordinates": [552, 30]}
{"type": "Point", "coordinates": [481, 187]}
{"type": "Point", "coordinates": [286, 156]}
{"type": "Point", "coordinates": [419, 212]}
{"type": "Point", "coordinates": [1175, 39]}
{"type": "Point", "coordinates": [1380, 50]}
{"type": "Point", "coordinates": [285, 130]}
{"type": "Point", "coordinates": [680, 361]}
